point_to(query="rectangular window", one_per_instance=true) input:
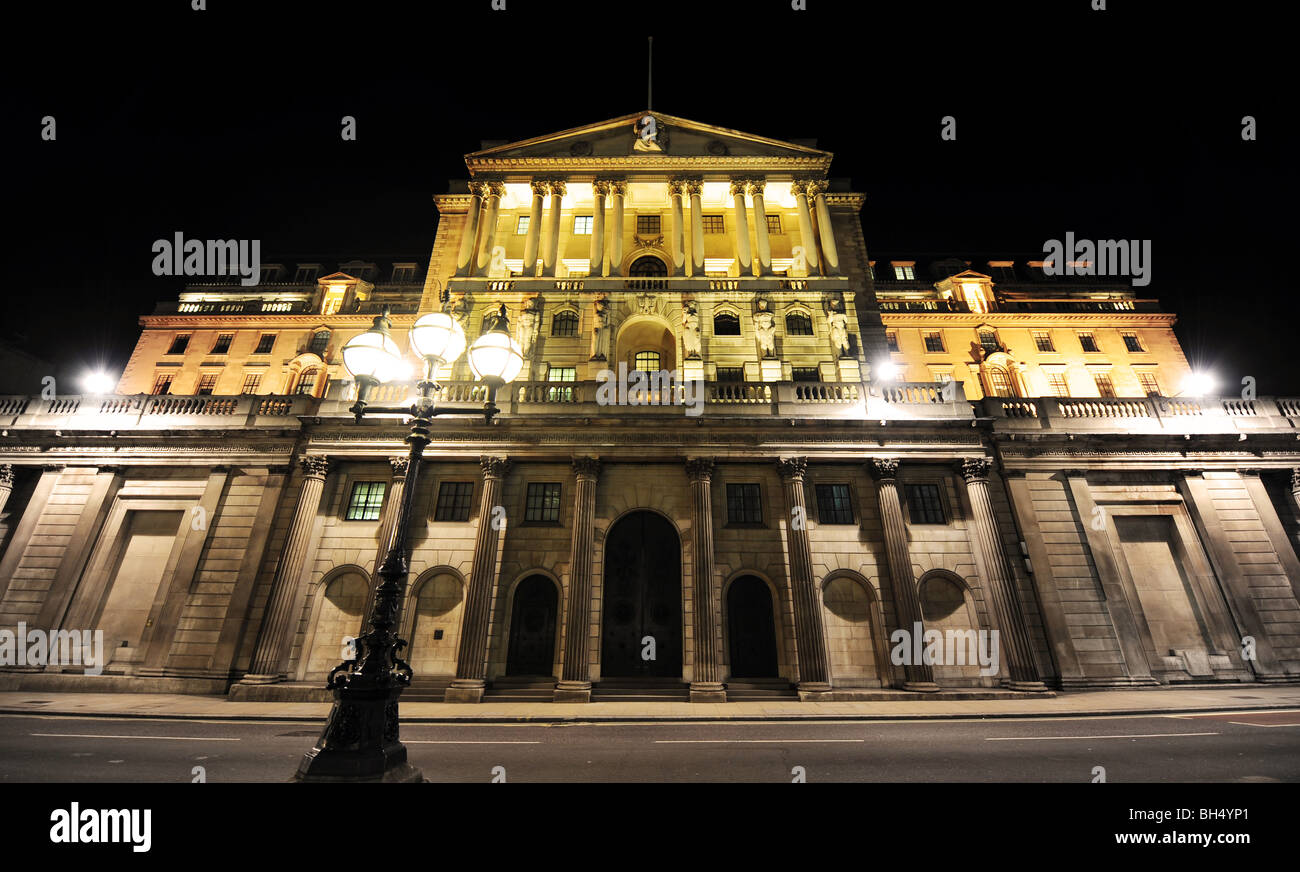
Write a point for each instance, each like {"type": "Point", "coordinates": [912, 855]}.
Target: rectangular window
{"type": "Point", "coordinates": [521, 225]}
{"type": "Point", "coordinates": [833, 504]}
{"type": "Point", "coordinates": [1149, 383]}
{"type": "Point", "coordinates": [648, 225]}
{"type": "Point", "coordinates": [1056, 381]}
{"type": "Point", "coordinates": [561, 374]}
{"type": "Point", "coordinates": [179, 344]}
{"type": "Point", "coordinates": [924, 505]}
{"type": "Point", "coordinates": [934, 341]}
{"type": "Point", "coordinates": [806, 374]}
{"type": "Point", "coordinates": [1088, 342]}
{"type": "Point", "coordinates": [582, 225]}
{"type": "Point", "coordinates": [162, 383]}
{"type": "Point", "coordinates": [453, 501]}
{"type": "Point", "coordinates": [207, 384]}
{"type": "Point", "coordinates": [403, 274]}
{"type": "Point", "coordinates": [713, 224]}
{"type": "Point", "coordinates": [1043, 340]}
{"type": "Point", "coordinates": [744, 504]}
{"type": "Point", "coordinates": [1131, 341]}
{"type": "Point", "coordinates": [305, 274]}
{"type": "Point", "coordinates": [891, 337]}
{"type": "Point", "coordinates": [904, 274]}
{"type": "Point", "coordinates": [542, 504]}
{"type": "Point", "coordinates": [989, 341]}
{"type": "Point", "coordinates": [774, 225]}
{"type": "Point", "coordinates": [306, 384]}
{"type": "Point", "coordinates": [222, 345]}
{"type": "Point", "coordinates": [366, 500]}
{"type": "Point", "coordinates": [1105, 387]}
{"type": "Point", "coordinates": [731, 373]}
{"type": "Point", "coordinates": [265, 343]}
{"type": "Point", "coordinates": [320, 342]}
{"type": "Point", "coordinates": [251, 382]}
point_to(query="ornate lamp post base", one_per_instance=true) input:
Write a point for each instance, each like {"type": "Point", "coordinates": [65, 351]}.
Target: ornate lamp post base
{"type": "Point", "coordinates": [360, 743]}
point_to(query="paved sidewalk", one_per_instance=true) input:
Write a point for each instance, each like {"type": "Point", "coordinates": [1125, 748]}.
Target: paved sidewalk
{"type": "Point", "coordinates": [1239, 697]}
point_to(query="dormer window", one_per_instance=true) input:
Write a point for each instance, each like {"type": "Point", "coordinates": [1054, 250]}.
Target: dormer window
{"type": "Point", "coordinates": [270, 273]}
{"type": "Point", "coordinates": [973, 294]}
{"type": "Point", "coordinates": [333, 300]}
{"type": "Point", "coordinates": [904, 273]}
{"type": "Point", "coordinates": [403, 273]}
{"type": "Point", "coordinates": [305, 274]}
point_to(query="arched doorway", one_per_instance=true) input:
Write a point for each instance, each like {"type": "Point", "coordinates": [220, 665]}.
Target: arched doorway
{"type": "Point", "coordinates": [850, 633]}
{"type": "Point", "coordinates": [751, 629]}
{"type": "Point", "coordinates": [338, 615]}
{"type": "Point", "coordinates": [648, 266]}
{"type": "Point", "coordinates": [642, 598]}
{"type": "Point", "coordinates": [945, 608]}
{"type": "Point", "coordinates": [532, 628]}
{"type": "Point", "coordinates": [435, 626]}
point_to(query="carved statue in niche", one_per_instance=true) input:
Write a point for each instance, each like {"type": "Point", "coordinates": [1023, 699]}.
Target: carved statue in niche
{"type": "Point", "coordinates": [526, 328]}
{"type": "Point", "coordinates": [839, 325]}
{"type": "Point", "coordinates": [765, 328]}
{"type": "Point", "coordinates": [691, 330]}
{"type": "Point", "coordinates": [600, 330]}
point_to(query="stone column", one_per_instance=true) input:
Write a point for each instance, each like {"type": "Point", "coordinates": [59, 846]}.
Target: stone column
{"type": "Point", "coordinates": [387, 525]}
{"type": "Point", "coordinates": [552, 255]}
{"type": "Point", "coordinates": [695, 188]}
{"type": "Point", "coordinates": [488, 233]}
{"type": "Point", "coordinates": [471, 660]}
{"type": "Point", "coordinates": [809, 628]}
{"type": "Point", "coordinates": [575, 681]}
{"type": "Point", "coordinates": [1023, 675]}
{"type": "Point", "coordinates": [596, 262]}
{"type": "Point", "coordinates": [532, 241]}
{"type": "Point", "coordinates": [907, 601]}
{"type": "Point", "coordinates": [6, 483]}
{"type": "Point", "coordinates": [1295, 487]}
{"type": "Point", "coordinates": [279, 620]}
{"type": "Point", "coordinates": [706, 680]}
{"type": "Point", "coordinates": [760, 227]}
{"type": "Point", "coordinates": [469, 236]}
{"type": "Point", "coordinates": [678, 243]}
{"type": "Point", "coordinates": [741, 228]}
{"type": "Point", "coordinates": [806, 237]}
{"type": "Point", "coordinates": [617, 191]}
{"type": "Point", "coordinates": [830, 255]}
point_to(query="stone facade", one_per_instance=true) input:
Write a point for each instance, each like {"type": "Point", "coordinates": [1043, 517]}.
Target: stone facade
{"type": "Point", "coordinates": [820, 493]}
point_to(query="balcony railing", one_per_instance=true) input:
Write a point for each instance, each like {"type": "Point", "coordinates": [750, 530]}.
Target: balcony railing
{"type": "Point", "coordinates": [149, 411]}
{"type": "Point", "coordinates": [684, 284]}
{"type": "Point", "coordinates": [1181, 415]}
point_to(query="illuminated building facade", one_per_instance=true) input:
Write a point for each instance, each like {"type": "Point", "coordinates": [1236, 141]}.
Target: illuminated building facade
{"type": "Point", "coordinates": [878, 442]}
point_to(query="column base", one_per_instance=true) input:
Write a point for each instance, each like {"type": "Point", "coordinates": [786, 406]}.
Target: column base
{"type": "Point", "coordinates": [572, 691]}
{"type": "Point", "coordinates": [708, 691]}
{"type": "Point", "coordinates": [814, 691]}
{"type": "Point", "coordinates": [921, 686]}
{"type": "Point", "coordinates": [465, 690]}
{"type": "Point", "coordinates": [260, 678]}
{"type": "Point", "coordinates": [1026, 686]}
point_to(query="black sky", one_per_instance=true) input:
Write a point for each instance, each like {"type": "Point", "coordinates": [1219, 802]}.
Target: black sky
{"type": "Point", "coordinates": [225, 124]}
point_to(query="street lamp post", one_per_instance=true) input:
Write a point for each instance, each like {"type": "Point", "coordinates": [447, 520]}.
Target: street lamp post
{"type": "Point", "coordinates": [360, 740]}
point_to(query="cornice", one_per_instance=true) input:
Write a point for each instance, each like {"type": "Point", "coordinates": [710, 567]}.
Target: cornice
{"type": "Point", "coordinates": [654, 163]}
{"type": "Point", "coordinates": [903, 319]}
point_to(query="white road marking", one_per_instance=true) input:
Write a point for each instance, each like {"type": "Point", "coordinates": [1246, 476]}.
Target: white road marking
{"type": "Point", "coordinates": [752, 741]}
{"type": "Point", "coordinates": [1244, 724]}
{"type": "Point", "coordinates": [1055, 738]}
{"type": "Point", "coordinates": [102, 736]}
{"type": "Point", "coordinates": [464, 742]}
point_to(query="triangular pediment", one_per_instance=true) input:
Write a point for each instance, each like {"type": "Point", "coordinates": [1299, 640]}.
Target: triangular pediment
{"type": "Point", "coordinates": [670, 141]}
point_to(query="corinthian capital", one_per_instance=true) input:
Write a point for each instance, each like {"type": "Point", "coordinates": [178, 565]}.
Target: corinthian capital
{"type": "Point", "coordinates": [799, 187]}
{"type": "Point", "coordinates": [792, 468]}
{"type": "Point", "coordinates": [756, 187]}
{"type": "Point", "coordinates": [976, 469]}
{"type": "Point", "coordinates": [399, 465]}
{"type": "Point", "coordinates": [540, 187]}
{"type": "Point", "coordinates": [1295, 480]}
{"type": "Point", "coordinates": [494, 467]}
{"type": "Point", "coordinates": [699, 468]}
{"type": "Point", "coordinates": [695, 187]}
{"type": "Point", "coordinates": [817, 187]}
{"type": "Point", "coordinates": [314, 465]}
{"type": "Point", "coordinates": [738, 187]}
{"type": "Point", "coordinates": [478, 189]}
{"type": "Point", "coordinates": [676, 187]}
{"type": "Point", "coordinates": [600, 187]}
{"type": "Point", "coordinates": [618, 187]}
{"type": "Point", "coordinates": [558, 188]}
{"type": "Point", "coordinates": [6, 475]}
{"type": "Point", "coordinates": [586, 467]}
{"type": "Point", "coordinates": [496, 189]}
{"type": "Point", "coordinates": [884, 468]}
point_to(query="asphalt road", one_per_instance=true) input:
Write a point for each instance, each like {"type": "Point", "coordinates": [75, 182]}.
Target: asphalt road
{"type": "Point", "coordinates": [1259, 746]}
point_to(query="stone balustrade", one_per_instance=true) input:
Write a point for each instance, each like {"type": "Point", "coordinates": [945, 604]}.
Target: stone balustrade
{"type": "Point", "coordinates": [1177, 415]}
{"type": "Point", "coordinates": [152, 412]}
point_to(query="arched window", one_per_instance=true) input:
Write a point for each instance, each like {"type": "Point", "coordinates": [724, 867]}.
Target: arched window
{"type": "Point", "coordinates": [1000, 382]}
{"type": "Point", "coordinates": [648, 266]}
{"type": "Point", "coordinates": [798, 324]}
{"type": "Point", "coordinates": [307, 382]}
{"type": "Point", "coordinates": [320, 342]}
{"type": "Point", "coordinates": [726, 324]}
{"type": "Point", "coordinates": [564, 324]}
{"type": "Point", "coordinates": [647, 361]}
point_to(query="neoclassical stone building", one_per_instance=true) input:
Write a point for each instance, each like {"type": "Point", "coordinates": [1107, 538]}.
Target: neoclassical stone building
{"type": "Point", "coordinates": [850, 445]}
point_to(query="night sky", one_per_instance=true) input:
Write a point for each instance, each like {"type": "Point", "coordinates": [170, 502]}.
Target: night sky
{"type": "Point", "coordinates": [225, 124]}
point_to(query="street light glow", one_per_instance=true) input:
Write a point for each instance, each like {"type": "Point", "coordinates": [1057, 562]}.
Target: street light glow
{"type": "Point", "coordinates": [1199, 384]}
{"type": "Point", "coordinates": [98, 382]}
